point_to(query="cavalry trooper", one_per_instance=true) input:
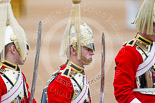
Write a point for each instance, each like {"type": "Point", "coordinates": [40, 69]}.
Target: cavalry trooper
{"type": "Point", "coordinates": [69, 84]}
{"type": "Point", "coordinates": [13, 52]}
{"type": "Point", "coordinates": [134, 80]}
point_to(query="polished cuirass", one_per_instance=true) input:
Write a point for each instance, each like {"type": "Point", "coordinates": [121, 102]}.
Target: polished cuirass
{"type": "Point", "coordinates": [146, 71]}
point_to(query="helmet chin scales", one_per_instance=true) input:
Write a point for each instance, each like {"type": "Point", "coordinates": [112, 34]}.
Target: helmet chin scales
{"type": "Point", "coordinates": [86, 60]}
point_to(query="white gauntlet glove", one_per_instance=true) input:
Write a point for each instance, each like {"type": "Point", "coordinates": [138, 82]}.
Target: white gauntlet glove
{"type": "Point", "coordinates": [135, 101]}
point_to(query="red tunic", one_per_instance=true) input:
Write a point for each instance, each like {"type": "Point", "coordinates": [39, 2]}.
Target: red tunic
{"type": "Point", "coordinates": [3, 89]}
{"type": "Point", "coordinates": [60, 90]}
{"type": "Point", "coordinates": [127, 62]}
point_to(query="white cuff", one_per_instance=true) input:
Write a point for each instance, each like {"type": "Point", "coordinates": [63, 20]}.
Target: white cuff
{"type": "Point", "coordinates": [135, 101]}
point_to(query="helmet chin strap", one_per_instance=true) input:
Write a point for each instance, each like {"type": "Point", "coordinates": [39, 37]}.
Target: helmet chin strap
{"type": "Point", "coordinates": [86, 60]}
{"type": "Point", "coordinates": [82, 57]}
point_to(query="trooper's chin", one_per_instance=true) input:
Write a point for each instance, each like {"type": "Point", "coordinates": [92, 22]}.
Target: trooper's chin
{"type": "Point", "coordinates": [21, 62]}
{"type": "Point", "coordinates": [87, 61]}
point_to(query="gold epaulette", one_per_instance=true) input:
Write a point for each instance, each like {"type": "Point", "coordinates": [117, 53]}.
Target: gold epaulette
{"type": "Point", "coordinates": [66, 72]}
{"type": "Point", "coordinates": [131, 43]}
{"type": "Point", "coordinates": [54, 75]}
{"type": "Point", "coordinates": [144, 50]}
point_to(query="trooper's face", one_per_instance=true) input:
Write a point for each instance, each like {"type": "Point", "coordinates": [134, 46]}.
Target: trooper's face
{"type": "Point", "coordinates": [20, 61]}
{"type": "Point", "coordinates": [87, 54]}
{"type": "Point", "coordinates": [16, 56]}
{"type": "Point", "coordinates": [12, 54]}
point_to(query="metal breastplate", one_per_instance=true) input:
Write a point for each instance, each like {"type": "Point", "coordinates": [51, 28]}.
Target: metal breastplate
{"type": "Point", "coordinates": [146, 80]}
{"type": "Point", "coordinates": [10, 78]}
{"type": "Point", "coordinates": [77, 80]}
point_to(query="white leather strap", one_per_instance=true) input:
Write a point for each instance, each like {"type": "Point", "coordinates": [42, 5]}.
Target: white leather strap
{"type": "Point", "coordinates": [83, 95]}
{"type": "Point", "coordinates": [14, 92]}
{"type": "Point", "coordinates": [148, 63]}
{"type": "Point", "coordinates": [149, 91]}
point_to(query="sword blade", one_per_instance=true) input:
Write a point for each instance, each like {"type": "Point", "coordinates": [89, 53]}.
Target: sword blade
{"type": "Point", "coordinates": [102, 69]}
{"type": "Point", "coordinates": [36, 63]}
